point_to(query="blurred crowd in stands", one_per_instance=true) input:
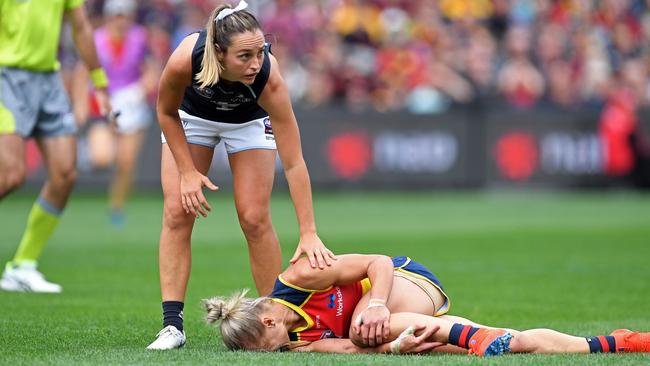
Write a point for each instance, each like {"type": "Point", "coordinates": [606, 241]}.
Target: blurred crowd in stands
{"type": "Point", "coordinates": [427, 56]}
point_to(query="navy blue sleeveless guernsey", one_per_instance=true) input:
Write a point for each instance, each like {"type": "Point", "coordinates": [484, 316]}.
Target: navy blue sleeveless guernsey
{"type": "Point", "coordinates": [226, 101]}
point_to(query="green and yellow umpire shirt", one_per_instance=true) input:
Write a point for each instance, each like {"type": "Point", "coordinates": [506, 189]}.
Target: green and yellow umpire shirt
{"type": "Point", "coordinates": [29, 32]}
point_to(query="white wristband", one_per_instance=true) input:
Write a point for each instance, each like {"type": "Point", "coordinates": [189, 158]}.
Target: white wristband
{"type": "Point", "coordinates": [395, 345]}
{"type": "Point", "coordinates": [374, 303]}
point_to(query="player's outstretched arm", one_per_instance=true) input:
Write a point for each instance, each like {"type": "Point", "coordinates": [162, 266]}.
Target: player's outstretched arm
{"type": "Point", "coordinates": [82, 34]}
{"type": "Point", "coordinates": [276, 102]}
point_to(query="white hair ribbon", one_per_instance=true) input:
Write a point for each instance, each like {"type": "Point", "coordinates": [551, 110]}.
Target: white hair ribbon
{"type": "Point", "coordinates": [229, 11]}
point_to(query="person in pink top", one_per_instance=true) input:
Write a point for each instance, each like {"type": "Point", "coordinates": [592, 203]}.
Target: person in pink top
{"type": "Point", "coordinates": [123, 51]}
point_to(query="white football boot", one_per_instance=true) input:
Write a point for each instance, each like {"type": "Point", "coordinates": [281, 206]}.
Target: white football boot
{"type": "Point", "coordinates": [168, 338]}
{"type": "Point", "coordinates": [24, 277]}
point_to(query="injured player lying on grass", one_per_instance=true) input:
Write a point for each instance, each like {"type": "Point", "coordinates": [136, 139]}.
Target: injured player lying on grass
{"type": "Point", "coordinates": [378, 304]}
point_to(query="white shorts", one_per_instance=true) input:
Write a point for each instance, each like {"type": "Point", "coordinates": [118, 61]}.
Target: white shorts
{"type": "Point", "coordinates": [135, 113]}
{"type": "Point", "coordinates": [256, 134]}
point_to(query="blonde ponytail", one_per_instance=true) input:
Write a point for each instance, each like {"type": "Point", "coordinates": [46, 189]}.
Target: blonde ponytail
{"type": "Point", "coordinates": [240, 324]}
{"type": "Point", "coordinates": [210, 65]}
{"type": "Point", "coordinates": [220, 33]}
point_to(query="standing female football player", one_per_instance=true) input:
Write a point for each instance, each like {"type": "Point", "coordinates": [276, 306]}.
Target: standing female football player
{"type": "Point", "coordinates": [222, 84]}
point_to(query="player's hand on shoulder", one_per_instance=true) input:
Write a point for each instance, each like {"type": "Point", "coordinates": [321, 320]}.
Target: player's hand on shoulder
{"type": "Point", "coordinates": [315, 251]}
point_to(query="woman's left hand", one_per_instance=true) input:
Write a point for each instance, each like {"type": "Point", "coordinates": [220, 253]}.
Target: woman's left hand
{"type": "Point", "coordinates": [316, 252]}
{"type": "Point", "coordinates": [410, 343]}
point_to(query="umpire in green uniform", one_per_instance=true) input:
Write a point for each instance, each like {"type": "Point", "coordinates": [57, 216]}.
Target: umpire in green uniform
{"type": "Point", "coordinates": [33, 103]}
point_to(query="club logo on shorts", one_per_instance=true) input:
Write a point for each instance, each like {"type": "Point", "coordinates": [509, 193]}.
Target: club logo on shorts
{"type": "Point", "coordinates": [267, 126]}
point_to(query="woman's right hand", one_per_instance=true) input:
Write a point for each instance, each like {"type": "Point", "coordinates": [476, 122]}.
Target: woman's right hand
{"type": "Point", "coordinates": [192, 197]}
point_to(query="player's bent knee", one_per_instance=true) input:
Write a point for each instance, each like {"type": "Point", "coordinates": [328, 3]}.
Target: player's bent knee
{"type": "Point", "coordinates": [175, 217]}
{"type": "Point", "coordinates": [255, 221]}
{"type": "Point", "coordinates": [64, 179]}
{"type": "Point", "coordinates": [11, 180]}
{"type": "Point", "coordinates": [102, 161]}
{"type": "Point", "coordinates": [356, 339]}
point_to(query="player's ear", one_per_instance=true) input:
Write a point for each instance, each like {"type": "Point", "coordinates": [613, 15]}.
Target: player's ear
{"type": "Point", "coordinates": [220, 53]}
{"type": "Point", "coordinates": [268, 322]}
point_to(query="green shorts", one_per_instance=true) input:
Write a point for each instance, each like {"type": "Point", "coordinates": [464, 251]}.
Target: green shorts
{"type": "Point", "coordinates": [34, 104]}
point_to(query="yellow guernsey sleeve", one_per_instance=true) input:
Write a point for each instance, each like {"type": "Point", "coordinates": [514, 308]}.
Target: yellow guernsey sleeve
{"type": "Point", "coordinates": [30, 31]}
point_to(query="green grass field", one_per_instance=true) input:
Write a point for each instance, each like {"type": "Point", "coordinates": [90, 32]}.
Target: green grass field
{"type": "Point", "coordinates": [578, 263]}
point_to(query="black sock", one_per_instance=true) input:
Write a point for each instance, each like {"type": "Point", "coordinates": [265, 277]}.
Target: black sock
{"type": "Point", "coordinates": [173, 314]}
{"type": "Point", "coordinates": [601, 344]}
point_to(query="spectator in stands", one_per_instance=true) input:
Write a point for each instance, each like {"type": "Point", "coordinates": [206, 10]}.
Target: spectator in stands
{"type": "Point", "coordinates": [529, 46]}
